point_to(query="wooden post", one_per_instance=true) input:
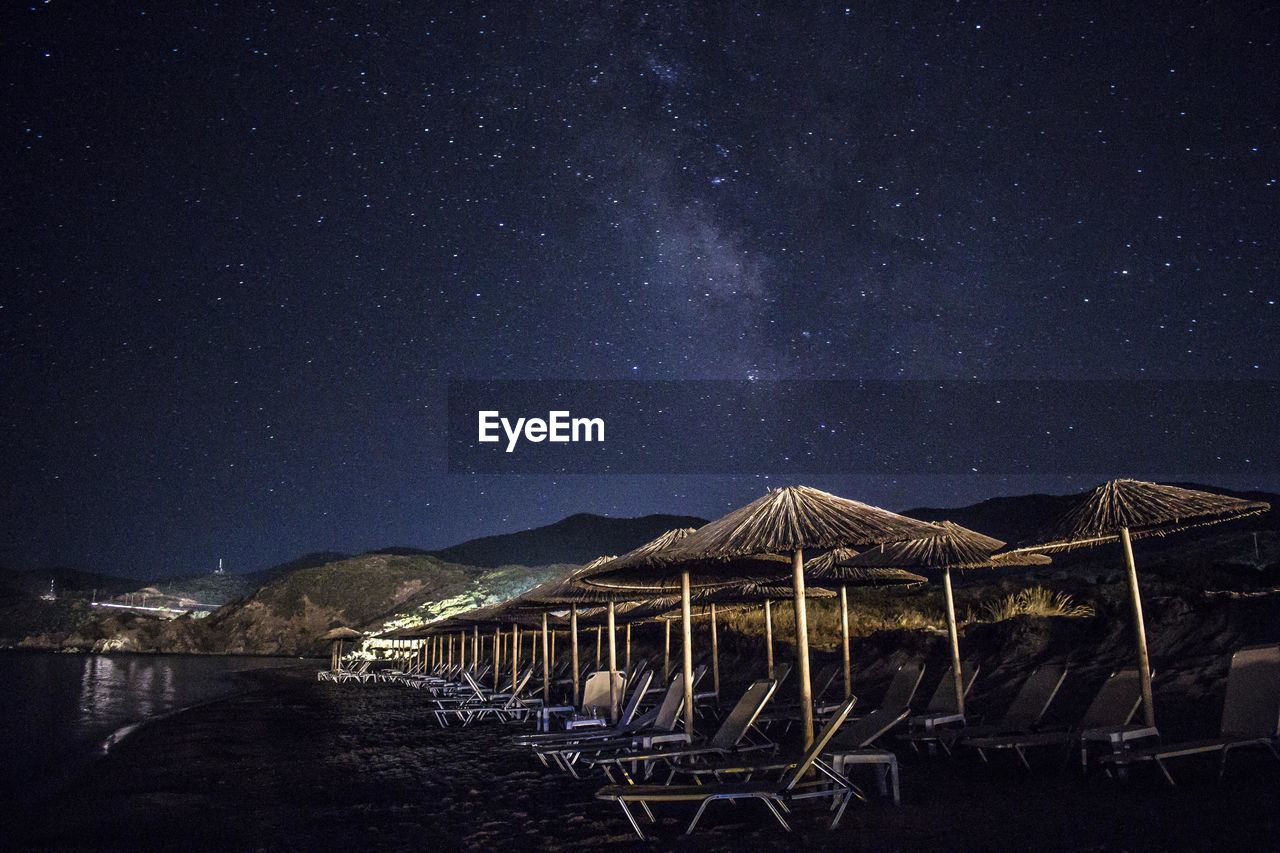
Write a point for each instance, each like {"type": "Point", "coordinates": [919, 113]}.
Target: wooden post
{"type": "Point", "coordinates": [546, 662]}
{"type": "Point", "coordinates": [573, 637]}
{"type": "Point", "coordinates": [686, 629]}
{"type": "Point", "coordinates": [613, 666]}
{"type": "Point", "coordinates": [462, 649]}
{"type": "Point", "coordinates": [475, 646]}
{"type": "Point", "coordinates": [598, 635]}
{"type": "Point", "coordinates": [533, 649]}
{"type": "Point", "coordinates": [768, 637]}
{"type": "Point", "coordinates": [802, 647]}
{"type": "Point", "coordinates": [845, 657]}
{"type": "Point", "coordinates": [715, 654]}
{"type": "Point", "coordinates": [1139, 630]}
{"type": "Point", "coordinates": [666, 651]}
{"type": "Point", "coordinates": [497, 655]}
{"type": "Point", "coordinates": [515, 654]}
{"type": "Point", "coordinates": [626, 661]}
{"type": "Point", "coordinates": [954, 633]}
{"type": "Point", "coordinates": [553, 646]}
{"type": "Point", "coordinates": [451, 650]}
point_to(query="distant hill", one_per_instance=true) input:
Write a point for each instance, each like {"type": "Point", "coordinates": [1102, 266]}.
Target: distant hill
{"type": "Point", "coordinates": [577, 539]}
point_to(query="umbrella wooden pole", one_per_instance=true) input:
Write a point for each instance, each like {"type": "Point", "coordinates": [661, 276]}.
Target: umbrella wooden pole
{"type": "Point", "coordinates": [553, 646]}
{"type": "Point", "coordinates": [802, 647]}
{"type": "Point", "coordinates": [573, 638]}
{"type": "Point", "coordinates": [533, 649]}
{"type": "Point", "coordinates": [715, 654]}
{"type": "Point", "coordinates": [666, 650]}
{"type": "Point", "coordinates": [598, 635]}
{"type": "Point", "coordinates": [475, 645]}
{"type": "Point", "coordinates": [546, 662]}
{"type": "Point", "coordinates": [845, 657]}
{"type": "Point", "coordinates": [515, 655]}
{"type": "Point", "coordinates": [613, 666]}
{"type": "Point", "coordinates": [451, 650]}
{"type": "Point", "coordinates": [954, 634]}
{"type": "Point", "coordinates": [1139, 630]}
{"type": "Point", "coordinates": [768, 637]}
{"type": "Point", "coordinates": [686, 652]}
{"type": "Point", "coordinates": [497, 655]}
{"type": "Point", "coordinates": [462, 649]}
{"type": "Point", "coordinates": [626, 660]}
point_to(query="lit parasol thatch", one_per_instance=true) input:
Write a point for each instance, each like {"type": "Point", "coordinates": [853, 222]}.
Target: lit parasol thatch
{"type": "Point", "coordinates": [336, 636]}
{"type": "Point", "coordinates": [833, 569]}
{"type": "Point", "coordinates": [784, 521]}
{"type": "Point", "coordinates": [948, 546]}
{"type": "Point", "coordinates": [1124, 510]}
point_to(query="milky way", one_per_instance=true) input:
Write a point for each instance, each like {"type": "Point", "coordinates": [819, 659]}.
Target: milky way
{"type": "Point", "coordinates": [247, 246]}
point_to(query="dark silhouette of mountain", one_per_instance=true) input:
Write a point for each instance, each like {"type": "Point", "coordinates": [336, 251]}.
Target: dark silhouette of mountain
{"type": "Point", "coordinates": [576, 539]}
{"type": "Point", "coordinates": [306, 561]}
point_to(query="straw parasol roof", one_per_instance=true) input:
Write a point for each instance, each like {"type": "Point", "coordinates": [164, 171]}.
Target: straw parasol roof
{"type": "Point", "coordinates": [833, 568]}
{"type": "Point", "coordinates": [755, 592]}
{"type": "Point", "coordinates": [1146, 509]}
{"type": "Point", "coordinates": [651, 574]}
{"type": "Point", "coordinates": [945, 545]}
{"type": "Point", "coordinates": [340, 633]}
{"type": "Point", "coordinates": [796, 517]}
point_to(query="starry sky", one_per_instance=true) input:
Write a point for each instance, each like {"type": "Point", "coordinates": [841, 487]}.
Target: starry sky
{"type": "Point", "coordinates": [248, 245]}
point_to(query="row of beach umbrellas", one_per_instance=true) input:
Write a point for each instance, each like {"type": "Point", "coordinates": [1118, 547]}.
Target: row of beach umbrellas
{"type": "Point", "coordinates": [755, 555]}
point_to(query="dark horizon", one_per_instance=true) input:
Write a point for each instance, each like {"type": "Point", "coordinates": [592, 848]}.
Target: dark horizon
{"type": "Point", "coordinates": [248, 249]}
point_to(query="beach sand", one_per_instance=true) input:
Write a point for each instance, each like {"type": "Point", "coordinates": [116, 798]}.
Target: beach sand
{"type": "Point", "coordinates": [295, 764]}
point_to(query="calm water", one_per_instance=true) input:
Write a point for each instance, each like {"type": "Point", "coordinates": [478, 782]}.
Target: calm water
{"type": "Point", "coordinates": [58, 711]}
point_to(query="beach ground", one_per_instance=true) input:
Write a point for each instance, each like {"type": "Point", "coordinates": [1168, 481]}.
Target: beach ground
{"type": "Point", "coordinates": [299, 765]}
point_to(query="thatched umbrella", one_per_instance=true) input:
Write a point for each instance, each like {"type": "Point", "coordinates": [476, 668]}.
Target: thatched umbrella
{"type": "Point", "coordinates": [647, 569]}
{"type": "Point", "coordinates": [1124, 510]}
{"type": "Point", "coordinates": [787, 521]}
{"type": "Point", "coordinates": [833, 569]}
{"type": "Point", "coordinates": [336, 636]}
{"type": "Point", "coordinates": [948, 546]}
{"type": "Point", "coordinates": [760, 591]}
{"type": "Point", "coordinates": [573, 593]}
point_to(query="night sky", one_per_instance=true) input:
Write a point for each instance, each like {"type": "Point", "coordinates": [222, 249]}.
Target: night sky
{"type": "Point", "coordinates": [247, 246]}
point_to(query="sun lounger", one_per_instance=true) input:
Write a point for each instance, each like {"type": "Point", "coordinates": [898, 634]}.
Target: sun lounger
{"type": "Point", "coordinates": [1023, 714]}
{"type": "Point", "coordinates": [941, 710]}
{"type": "Point", "coordinates": [657, 726]}
{"type": "Point", "coordinates": [591, 717]}
{"type": "Point", "coordinates": [360, 672]}
{"type": "Point", "coordinates": [733, 736]}
{"type": "Point", "coordinates": [901, 690]}
{"type": "Point", "coordinates": [1250, 715]}
{"type": "Point", "coordinates": [1113, 707]}
{"type": "Point", "coordinates": [502, 706]}
{"type": "Point", "coordinates": [777, 795]}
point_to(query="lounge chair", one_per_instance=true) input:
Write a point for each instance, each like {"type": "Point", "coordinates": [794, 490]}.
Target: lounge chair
{"type": "Point", "coordinates": [1250, 715]}
{"type": "Point", "coordinates": [1113, 707]}
{"type": "Point", "coordinates": [776, 795]}
{"type": "Point", "coordinates": [590, 716]}
{"type": "Point", "coordinates": [360, 672]}
{"type": "Point", "coordinates": [788, 714]}
{"type": "Point", "coordinates": [502, 706]}
{"type": "Point", "coordinates": [656, 727]}
{"type": "Point", "coordinates": [941, 710]}
{"type": "Point", "coordinates": [1023, 714]}
{"type": "Point", "coordinates": [734, 735]}
{"type": "Point", "coordinates": [901, 690]}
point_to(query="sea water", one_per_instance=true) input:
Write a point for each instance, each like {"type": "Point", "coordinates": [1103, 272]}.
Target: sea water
{"type": "Point", "coordinates": [59, 711]}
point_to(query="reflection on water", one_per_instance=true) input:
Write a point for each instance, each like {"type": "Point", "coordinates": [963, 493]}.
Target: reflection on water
{"type": "Point", "coordinates": [58, 710]}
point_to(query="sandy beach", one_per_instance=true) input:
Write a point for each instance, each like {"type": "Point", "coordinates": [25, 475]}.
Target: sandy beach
{"type": "Point", "coordinates": [294, 764]}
